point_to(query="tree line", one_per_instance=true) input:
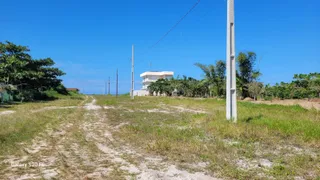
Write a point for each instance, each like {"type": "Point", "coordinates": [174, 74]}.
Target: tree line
{"type": "Point", "coordinates": [248, 85]}
{"type": "Point", "coordinates": [27, 78]}
{"type": "Point", "coordinates": [302, 86]}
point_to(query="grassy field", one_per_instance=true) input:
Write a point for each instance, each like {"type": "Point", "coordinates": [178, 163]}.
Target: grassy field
{"type": "Point", "coordinates": [92, 137]}
{"type": "Point", "coordinates": [269, 141]}
{"type": "Point", "coordinates": [31, 118]}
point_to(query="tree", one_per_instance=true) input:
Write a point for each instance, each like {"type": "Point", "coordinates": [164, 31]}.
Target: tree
{"type": "Point", "coordinates": [30, 76]}
{"type": "Point", "coordinates": [161, 86]}
{"type": "Point", "coordinates": [164, 86]}
{"type": "Point", "coordinates": [255, 89]}
{"type": "Point", "coordinates": [246, 73]}
{"type": "Point", "coordinates": [42, 75]}
{"type": "Point", "coordinates": [214, 76]}
{"type": "Point", "coordinates": [13, 59]}
{"type": "Point", "coordinates": [186, 86]}
{"type": "Point", "coordinates": [152, 88]}
{"type": "Point", "coordinates": [315, 84]}
{"type": "Point", "coordinates": [302, 86]}
{"type": "Point", "coordinates": [307, 85]}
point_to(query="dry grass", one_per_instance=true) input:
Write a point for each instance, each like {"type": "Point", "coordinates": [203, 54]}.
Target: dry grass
{"type": "Point", "coordinates": [23, 125]}
{"type": "Point", "coordinates": [308, 104]}
{"type": "Point", "coordinates": [268, 141]}
{"type": "Point", "coordinates": [67, 151]}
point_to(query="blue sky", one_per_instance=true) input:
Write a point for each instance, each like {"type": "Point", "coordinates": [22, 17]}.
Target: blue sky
{"type": "Point", "coordinates": [89, 40]}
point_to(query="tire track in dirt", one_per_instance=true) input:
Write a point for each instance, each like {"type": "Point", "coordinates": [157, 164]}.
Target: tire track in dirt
{"type": "Point", "coordinates": [86, 149]}
{"type": "Point", "coordinates": [39, 159]}
{"type": "Point", "coordinates": [101, 133]}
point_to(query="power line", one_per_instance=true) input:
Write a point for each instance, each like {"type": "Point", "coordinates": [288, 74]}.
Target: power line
{"type": "Point", "coordinates": [177, 23]}
{"type": "Point", "coordinates": [171, 29]}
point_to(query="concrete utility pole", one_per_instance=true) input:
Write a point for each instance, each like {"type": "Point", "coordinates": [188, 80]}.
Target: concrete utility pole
{"type": "Point", "coordinates": [132, 74]}
{"type": "Point", "coordinates": [117, 84]}
{"type": "Point", "coordinates": [109, 86]}
{"type": "Point", "coordinates": [231, 65]}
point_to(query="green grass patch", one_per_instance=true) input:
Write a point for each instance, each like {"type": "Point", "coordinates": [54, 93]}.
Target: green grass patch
{"type": "Point", "coordinates": [187, 137]}
{"type": "Point", "coordinates": [24, 124]}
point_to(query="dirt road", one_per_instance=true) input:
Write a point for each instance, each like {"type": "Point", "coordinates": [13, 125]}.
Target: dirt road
{"type": "Point", "coordinates": [291, 102]}
{"type": "Point", "coordinates": [86, 149]}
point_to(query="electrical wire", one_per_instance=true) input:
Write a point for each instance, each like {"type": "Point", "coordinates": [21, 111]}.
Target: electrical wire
{"type": "Point", "coordinates": [170, 30]}
{"type": "Point", "coordinates": [174, 26]}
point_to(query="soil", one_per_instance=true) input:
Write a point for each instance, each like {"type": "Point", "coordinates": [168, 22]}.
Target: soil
{"type": "Point", "coordinates": [6, 112]}
{"type": "Point", "coordinates": [60, 154]}
{"type": "Point", "coordinates": [314, 103]}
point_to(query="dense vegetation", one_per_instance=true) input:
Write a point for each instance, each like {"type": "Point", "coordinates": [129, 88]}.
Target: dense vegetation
{"type": "Point", "coordinates": [25, 77]}
{"type": "Point", "coordinates": [302, 86]}
{"type": "Point", "coordinates": [248, 85]}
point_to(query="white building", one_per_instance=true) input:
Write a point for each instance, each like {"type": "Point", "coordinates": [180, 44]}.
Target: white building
{"type": "Point", "coordinates": [149, 77]}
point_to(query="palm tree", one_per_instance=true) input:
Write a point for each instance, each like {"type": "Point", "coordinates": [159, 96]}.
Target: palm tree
{"type": "Point", "coordinates": [214, 76]}
{"type": "Point", "coordinates": [246, 73]}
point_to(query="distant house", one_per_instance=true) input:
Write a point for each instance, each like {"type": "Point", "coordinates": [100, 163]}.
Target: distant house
{"type": "Point", "coordinates": [73, 89]}
{"type": "Point", "coordinates": [152, 76]}
{"type": "Point", "coordinates": [149, 77]}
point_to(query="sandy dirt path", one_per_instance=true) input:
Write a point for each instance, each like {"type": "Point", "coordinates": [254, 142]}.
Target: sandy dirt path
{"type": "Point", "coordinates": [291, 102]}
{"type": "Point", "coordinates": [86, 149]}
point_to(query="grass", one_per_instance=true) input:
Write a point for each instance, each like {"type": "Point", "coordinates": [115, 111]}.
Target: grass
{"type": "Point", "coordinates": [24, 124]}
{"type": "Point", "coordinates": [55, 99]}
{"type": "Point", "coordinates": [286, 136]}
{"type": "Point", "coordinates": [281, 134]}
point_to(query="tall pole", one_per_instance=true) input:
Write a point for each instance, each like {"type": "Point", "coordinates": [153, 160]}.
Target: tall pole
{"type": "Point", "coordinates": [132, 74]}
{"type": "Point", "coordinates": [117, 84]}
{"type": "Point", "coordinates": [109, 86]}
{"type": "Point", "coordinates": [105, 88]}
{"type": "Point", "coordinates": [231, 106]}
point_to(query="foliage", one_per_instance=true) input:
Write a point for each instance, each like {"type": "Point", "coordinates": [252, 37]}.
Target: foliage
{"type": "Point", "coordinates": [214, 77]}
{"type": "Point", "coordinates": [31, 76]}
{"type": "Point", "coordinates": [255, 89]}
{"type": "Point", "coordinates": [246, 73]}
{"type": "Point", "coordinates": [302, 86]}
{"type": "Point", "coordinates": [185, 86]}
{"type": "Point", "coordinates": [248, 85]}
{"type": "Point", "coordinates": [161, 86]}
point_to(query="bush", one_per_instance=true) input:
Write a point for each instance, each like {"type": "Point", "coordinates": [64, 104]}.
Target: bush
{"type": "Point", "coordinates": [61, 90]}
{"type": "Point", "coordinates": [32, 95]}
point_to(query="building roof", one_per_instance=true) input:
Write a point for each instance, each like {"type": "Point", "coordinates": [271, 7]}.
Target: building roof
{"type": "Point", "coordinates": [157, 73]}
{"type": "Point", "coordinates": [72, 89]}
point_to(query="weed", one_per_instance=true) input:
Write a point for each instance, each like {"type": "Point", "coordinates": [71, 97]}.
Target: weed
{"type": "Point", "coordinates": [187, 137]}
